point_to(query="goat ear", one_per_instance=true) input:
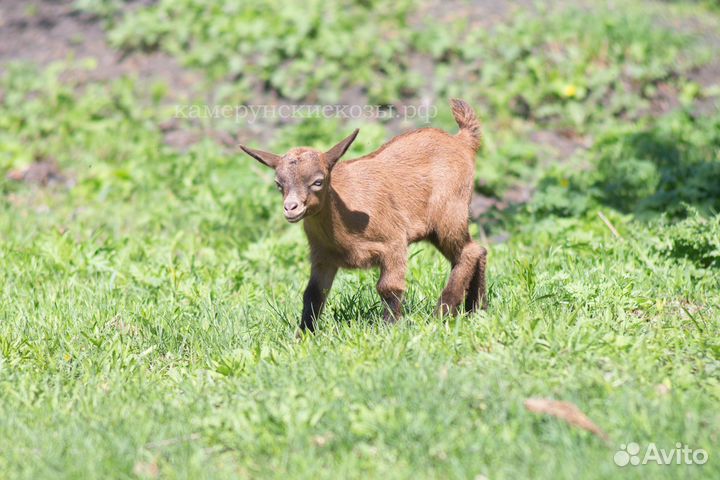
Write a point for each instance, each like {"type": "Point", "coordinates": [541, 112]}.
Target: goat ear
{"type": "Point", "coordinates": [334, 154]}
{"type": "Point", "coordinates": [269, 159]}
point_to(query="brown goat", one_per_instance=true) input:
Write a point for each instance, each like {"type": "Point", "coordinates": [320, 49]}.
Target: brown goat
{"type": "Point", "coordinates": [365, 212]}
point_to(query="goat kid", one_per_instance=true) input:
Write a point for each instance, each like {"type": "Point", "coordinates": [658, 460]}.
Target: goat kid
{"type": "Point", "coordinates": [365, 212]}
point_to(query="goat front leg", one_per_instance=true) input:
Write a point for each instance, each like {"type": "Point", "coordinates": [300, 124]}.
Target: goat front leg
{"type": "Point", "coordinates": [321, 280]}
{"type": "Point", "coordinates": [391, 285]}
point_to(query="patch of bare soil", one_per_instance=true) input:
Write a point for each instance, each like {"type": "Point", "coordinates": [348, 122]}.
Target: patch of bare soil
{"type": "Point", "coordinates": [41, 172]}
{"type": "Point", "coordinates": [516, 195]}
{"type": "Point", "coordinates": [707, 32]}
{"type": "Point", "coordinates": [42, 32]}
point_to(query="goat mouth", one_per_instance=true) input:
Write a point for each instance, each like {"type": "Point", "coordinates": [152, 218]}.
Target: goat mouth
{"type": "Point", "coordinates": [296, 218]}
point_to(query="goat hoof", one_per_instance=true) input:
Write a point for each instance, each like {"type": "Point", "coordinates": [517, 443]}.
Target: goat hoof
{"type": "Point", "coordinates": [302, 332]}
{"type": "Point", "coordinates": [445, 310]}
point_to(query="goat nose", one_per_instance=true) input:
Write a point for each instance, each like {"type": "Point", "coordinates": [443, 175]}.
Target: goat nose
{"type": "Point", "coordinates": [291, 206]}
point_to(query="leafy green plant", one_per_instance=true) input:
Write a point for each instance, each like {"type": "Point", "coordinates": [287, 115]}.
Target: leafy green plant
{"type": "Point", "coordinates": [323, 133]}
{"type": "Point", "coordinates": [660, 167]}
{"type": "Point", "coordinates": [563, 195]}
{"type": "Point", "coordinates": [646, 170]}
{"type": "Point", "coordinates": [695, 238]}
{"type": "Point", "coordinates": [105, 9]}
{"type": "Point", "coordinates": [569, 69]}
{"type": "Point", "coordinates": [305, 50]}
{"type": "Point", "coordinates": [108, 142]}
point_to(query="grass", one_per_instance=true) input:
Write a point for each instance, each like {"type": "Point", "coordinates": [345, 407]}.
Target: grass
{"type": "Point", "coordinates": [148, 307]}
{"type": "Point", "coordinates": [187, 370]}
{"type": "Point", "coordinates": [570, 68]}
{"type": "Point", "coordinates": [309, 49]}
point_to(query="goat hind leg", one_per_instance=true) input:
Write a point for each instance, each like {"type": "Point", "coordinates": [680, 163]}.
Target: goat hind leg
{"type": "Point", "coordinates": [461, 276]}
{"type": "Point", "coordinates": [477, 290]}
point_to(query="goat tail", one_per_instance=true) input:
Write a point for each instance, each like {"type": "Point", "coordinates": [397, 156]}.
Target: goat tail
{"type": "Point", "coordinates": [468, 122]}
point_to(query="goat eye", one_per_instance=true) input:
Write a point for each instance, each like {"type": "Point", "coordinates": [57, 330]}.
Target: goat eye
{"type": "Point", "coordinates": [317, 183]}
{"type": "Point", "coordinates": [279, 187]}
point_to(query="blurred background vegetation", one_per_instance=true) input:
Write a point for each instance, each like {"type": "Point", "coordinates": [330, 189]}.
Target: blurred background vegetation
{"type": "Point", "coordinates": [548, 79]}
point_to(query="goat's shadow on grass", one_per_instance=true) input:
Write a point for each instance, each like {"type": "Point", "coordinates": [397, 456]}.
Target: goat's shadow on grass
{"type": "Point", "coordinates": [354, 307]}
{"type": "Point", "coordinates": [359, 305]}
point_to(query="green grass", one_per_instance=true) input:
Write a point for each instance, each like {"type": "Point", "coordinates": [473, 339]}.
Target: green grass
{"type": "Point", "coordinates": [571, 68]}
{"type": "Point", "coordinates": [300, 49]}
{"type": "Point", "coordinates": [148, 309]}
{"type": "Point", "coordinates": [660, 166]}
{"type": "Point", "coordinates": [563, 67]}
{"type": "Point", "coordinates": [117, 352]}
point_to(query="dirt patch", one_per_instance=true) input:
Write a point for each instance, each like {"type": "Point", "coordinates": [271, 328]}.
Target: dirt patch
{"type": "Point", "coordinates": [708, 76]}
{"type": "Point", "coordinates": [43, 173]}
{"type": "Point", "coordinates": [705, 30]}
{"type": "Point", "coordinates": [561, 144]}
{"type": "Point", "coordinates": [42, 32]}
{"type": "Point", "coordinates": [481, 205]}
{"type": "Point", "coordinates": [484, 14]}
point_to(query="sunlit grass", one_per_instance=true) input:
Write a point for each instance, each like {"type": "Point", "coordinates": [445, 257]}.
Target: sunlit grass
{"type": "Point", "coordinates": [148, 309]}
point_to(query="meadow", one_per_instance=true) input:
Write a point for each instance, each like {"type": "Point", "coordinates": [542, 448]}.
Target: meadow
{"type": "Point", "coordinates": [150, 291]}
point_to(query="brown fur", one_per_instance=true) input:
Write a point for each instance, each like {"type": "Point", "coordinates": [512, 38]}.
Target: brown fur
{"type": "Point", "coordinates": [363, 213]}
